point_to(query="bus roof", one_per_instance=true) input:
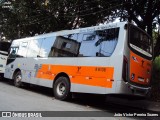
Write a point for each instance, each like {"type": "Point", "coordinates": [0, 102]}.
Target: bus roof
{"type": "Point", "coordinates": [79, 30]}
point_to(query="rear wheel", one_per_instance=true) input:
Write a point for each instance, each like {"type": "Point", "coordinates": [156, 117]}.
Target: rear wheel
{"type": "Point", "coordinates": [61, 88]}
{"type": "Point", "coordinates": [18, 79]}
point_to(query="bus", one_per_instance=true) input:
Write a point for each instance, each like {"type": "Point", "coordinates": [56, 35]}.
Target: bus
{"type": "Point", "coordinates": [114, 58]}
{"type": "Point", "coordinates": [4, 47]}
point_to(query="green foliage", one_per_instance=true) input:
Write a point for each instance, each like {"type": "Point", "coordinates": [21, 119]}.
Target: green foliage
{"type": "Point", "coordinates": [157, 63]}
{"type": "Point", "coordinates": [156, 73]}
{"type": "Point", "coordinates": [154, 37]}
{"type": "Point", "coordinates": [30, 17]}
{"type": "Point", "coordinates": [156, 69]}
{"type": "Point", "coordinates": [156, 80]}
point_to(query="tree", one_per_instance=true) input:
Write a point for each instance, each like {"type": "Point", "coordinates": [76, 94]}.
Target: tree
{"type": "Point", "coordinates": [146, 14]}
{"type": "Point", "coordinates": [30, 17]}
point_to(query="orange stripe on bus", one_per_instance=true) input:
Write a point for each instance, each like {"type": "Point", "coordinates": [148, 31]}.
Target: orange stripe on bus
{"type": "Point", "coordinates": [86, 75]}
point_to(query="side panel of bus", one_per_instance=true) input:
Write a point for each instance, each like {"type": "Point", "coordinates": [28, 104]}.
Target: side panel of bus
{"type": "Point", "coordinates": [94, 75]}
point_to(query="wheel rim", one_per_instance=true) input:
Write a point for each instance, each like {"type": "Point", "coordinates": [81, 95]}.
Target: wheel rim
{"type": "Point", "coordinates": [18, 79]}
{"type": "Point", "coordinates": [61, 89]}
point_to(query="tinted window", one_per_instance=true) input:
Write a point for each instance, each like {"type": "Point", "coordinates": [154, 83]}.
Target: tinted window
{"type": "Point", "coordinates": [140, 41]}
{"type": "Point", "coordinates": [98, 43]}
{"type": "Point", "coordinates": [107, 40]}
{"type": "Point", "coordinates": [90, 44]}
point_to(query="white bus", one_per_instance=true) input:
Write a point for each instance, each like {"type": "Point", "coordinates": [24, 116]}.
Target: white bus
{"type": "Point", "coordinates": [4, 47]}
{"type": "Point", "coordinates": [115, 58]}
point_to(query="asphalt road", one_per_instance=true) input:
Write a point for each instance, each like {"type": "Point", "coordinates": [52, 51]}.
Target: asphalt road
{"type": "Point", "coordinates": [35, 98]}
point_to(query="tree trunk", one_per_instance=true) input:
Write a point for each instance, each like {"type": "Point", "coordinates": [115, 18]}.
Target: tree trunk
{"type": "Point", "coordinates": [149, 28]}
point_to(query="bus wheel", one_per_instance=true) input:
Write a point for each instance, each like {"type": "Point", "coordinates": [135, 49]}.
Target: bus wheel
{"type": "Point", "coordinates": [61, 89]}
{"type": "Point", "coordinates": [18, 79]}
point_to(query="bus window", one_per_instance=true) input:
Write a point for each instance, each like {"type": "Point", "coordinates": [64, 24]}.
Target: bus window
{"type": "Point", "coordinates": [34, 48]}
{"type": "Point", "coordinates": [13, 52]}
{"type": "Point", "coordinates": [22, 50]}
{"type": "Point", "coordinates": [46, 47]}
{"type": "Point", "coordinates": [107, 47]}
{"type": "Point", "coordinates": [98, 43]}
{"type": "Point", "coordinates": [66, 46]}
{"type": "Point", "coordinates": [88, 40]}
{"type": "Point", "coordinates": [108, 41]}
{"type": "Point", "coordinates": [89, 37]}
{"type": "Point", "coordinates": [140, 42]}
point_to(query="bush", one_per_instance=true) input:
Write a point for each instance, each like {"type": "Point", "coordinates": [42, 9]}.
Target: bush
{"type": "Point", "coordinates": [155, 92]}
{"type": "Point", "coordinates": [156, 71]}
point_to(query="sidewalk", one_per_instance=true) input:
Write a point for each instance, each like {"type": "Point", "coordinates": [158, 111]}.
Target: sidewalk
{"type": "Point", "coordinates": [139, 103]}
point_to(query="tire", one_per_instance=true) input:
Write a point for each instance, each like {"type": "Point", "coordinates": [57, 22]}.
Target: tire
{"type": "Point", "coordinates": [18, 79]}
{"type": "Point", "coordinates": [61, 89]}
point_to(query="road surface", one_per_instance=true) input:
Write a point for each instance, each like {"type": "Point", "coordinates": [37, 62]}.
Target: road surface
{"type": "Point", "coordinates": [35, 98]}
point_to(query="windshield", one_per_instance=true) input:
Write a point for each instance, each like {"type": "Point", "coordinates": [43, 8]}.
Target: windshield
{"type": "Point", "coordinates": [140, 41]}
